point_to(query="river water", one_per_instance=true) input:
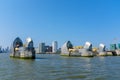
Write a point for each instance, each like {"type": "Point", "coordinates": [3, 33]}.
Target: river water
{"type": "Point", "coordinates": [56, 67]}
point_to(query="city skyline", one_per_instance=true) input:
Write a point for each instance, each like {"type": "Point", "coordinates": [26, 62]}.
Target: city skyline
{"type": "Point", "coordinates": [96, 21]}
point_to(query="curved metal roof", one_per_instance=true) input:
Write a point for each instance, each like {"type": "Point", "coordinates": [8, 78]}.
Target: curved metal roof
{"type": "Point", "coordinates": [17, 41]}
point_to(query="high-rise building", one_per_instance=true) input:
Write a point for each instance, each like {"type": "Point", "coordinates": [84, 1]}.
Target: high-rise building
{"type": "Point", "coordinates": [41, 47]}
{"type": "Point", "coordinates": [54, 46]}
{"type": "Point", "coordinates": [48, 48]}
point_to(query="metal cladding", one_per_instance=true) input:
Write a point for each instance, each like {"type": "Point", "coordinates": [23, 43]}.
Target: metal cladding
{"type": "Point", "coordinates": [87, 50]}
{"type": "Point", "coordinates": [88, 46]}
{"type": "Point", "coordinates": [17, 42]}
{"type": "Point", "coordinates": [28, 40]}
{"type": "Point", "coordinates": [101, 47]}
{"type": "Point", "coordinates": [29, 43]}
{"type": "Point", "coordinates": [67, 45]}
{"type": "Point", "coordinates": [22, 51]}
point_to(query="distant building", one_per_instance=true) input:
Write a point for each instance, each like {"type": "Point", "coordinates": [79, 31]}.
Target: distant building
{"type": "Point", "coordinates": [54, 46]}
{"type": "Point", "coordinates": [0, 49]}
{"type": "Point", "coordinates": [4, 50]}
{"type": "Point", "coordinates": [41, 47]}
{"type": "Point", "coordinates": [113, 47]}
{"type": "Point", "coordinates": [7, 50]}
{"type": "Point", "coordinates": [48, 48]}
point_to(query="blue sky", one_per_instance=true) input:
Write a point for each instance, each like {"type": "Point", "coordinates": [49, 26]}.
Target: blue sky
{"type": "Point", "coordinates": [97, 21]}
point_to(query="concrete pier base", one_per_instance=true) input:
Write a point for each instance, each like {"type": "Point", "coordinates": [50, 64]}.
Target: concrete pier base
{"type": "Point", "coordinates": [23, 55]}
{"type": "Point", "coordinates": [102, 54]}
{"type": "Point", "coordinates": [117, 52]}
{"type": "Point", "coordinates": [86, 53]}
{"type": "Point", "coordinates": [109, 54]}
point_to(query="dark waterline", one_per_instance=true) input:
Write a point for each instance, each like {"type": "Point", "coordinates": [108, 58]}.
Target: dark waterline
{"type": "Point", "coordinates": [56, 67]}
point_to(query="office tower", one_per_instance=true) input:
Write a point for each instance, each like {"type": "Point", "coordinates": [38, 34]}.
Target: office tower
{"type": "Point", "coordinates": [41, 47]}
{"type": "Point", "coordinates": [54, 46]}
